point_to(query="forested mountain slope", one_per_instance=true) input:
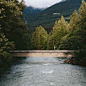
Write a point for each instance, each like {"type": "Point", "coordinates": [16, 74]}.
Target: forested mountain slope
{"type": "Point", "coordinates": [64, 8]}
{"type": "Point", "coordinates": [47, 17]}
{"type": "Point", "coordinates": [30, 12]}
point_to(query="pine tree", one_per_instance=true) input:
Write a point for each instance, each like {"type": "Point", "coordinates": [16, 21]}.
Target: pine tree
{"type": "Point", "coordinates": [74, 20]}
{"type": "Point", "coordinates": [77, 38]}
{"type": "Point", "coordinates": [13, 24]}
{"type": "Point", "coordinates": [59, 30]}
{"type": "Point", "coordinates": [39, 38]}
{"type": "Point", "coordinates": [50, 41]}
{"type": "Point", "coordinates": [82, 9]}
{"type": "Point", "coordinates": [55, 26]}
{"type": "Point", "coordinates": [5, 44]}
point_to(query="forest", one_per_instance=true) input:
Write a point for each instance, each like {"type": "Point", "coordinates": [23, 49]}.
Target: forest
{"type": "Point", "coordinates": [12, 30]}
{"type": "Point", "coordinates": [46, 18]}
{"type": "Point", "coordinates": [14, 33]}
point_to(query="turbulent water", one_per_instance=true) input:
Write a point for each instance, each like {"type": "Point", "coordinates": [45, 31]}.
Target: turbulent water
{"type": "Point", "coordinates": [44, 71]}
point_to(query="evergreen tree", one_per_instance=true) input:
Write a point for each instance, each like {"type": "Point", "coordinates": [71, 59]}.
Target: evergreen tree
{"type": "Point", "coordinates": [59, 30]}
{"type": "Point", "coordinates": [82, 9]}
{"type": "Point", "coordinates": [39, 38]}
{"type": "Point", "coordinates": [82, 34]}
{"type": "Point", "coordinates": [5, 45]}
{"type": "Point", "coordinates": [50, 41]}
{"type": "Point", "coordinates": [13, 24]}
{"type": "Point", "coordinates": [55, 26]}
{"type": "Point", "coordinates": [76, 40]}
{"type": "Point", "coordinates": [74, 20]}
{"type": "Point", "coordinates": [60, 23]}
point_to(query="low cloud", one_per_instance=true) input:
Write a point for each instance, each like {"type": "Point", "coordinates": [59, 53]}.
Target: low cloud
{"type": "Point", "coordinates": [40, 3]}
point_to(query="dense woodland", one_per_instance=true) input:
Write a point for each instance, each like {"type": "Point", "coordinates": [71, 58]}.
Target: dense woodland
{"type": "Point", "coordinates": [46, 18]}
{"type": "Point", "coordinates": [15, 35]}
{"type": "Point", "coordinates": [30, 13]}
{"type": "Point", "coordinates": [12, 30]}
{"type": "Point", "coordinates": [64, 35]}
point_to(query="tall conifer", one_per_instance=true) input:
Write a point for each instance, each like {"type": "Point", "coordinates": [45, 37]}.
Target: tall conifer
{"type": "Point", "coordinates": [74, 20]}
{"type": "Point", "coordinates": [39, 38]}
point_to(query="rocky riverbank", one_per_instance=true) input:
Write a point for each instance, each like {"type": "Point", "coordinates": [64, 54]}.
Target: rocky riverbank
{"type": "Point", "coordinates": [75, 61]}
{"type": "Point", "coordinates": [5, 66]}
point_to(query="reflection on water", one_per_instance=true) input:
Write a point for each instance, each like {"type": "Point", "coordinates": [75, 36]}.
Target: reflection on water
{"type": "Point", "coordinates": [44, 71]}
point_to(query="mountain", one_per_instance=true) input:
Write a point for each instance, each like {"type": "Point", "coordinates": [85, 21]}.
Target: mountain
{"type": "Point", "coordinates": [47, 17]}
{"type": "Point", "coordinates": [31, 12]}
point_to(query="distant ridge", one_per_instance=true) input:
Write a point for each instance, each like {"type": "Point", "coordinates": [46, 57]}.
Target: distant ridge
{"type": "Point", "coordinates": [46, 18]}
{"type": "Point", "coordinates": [62, 7]}
{"type": "Point", "coordinates": [30, 12]}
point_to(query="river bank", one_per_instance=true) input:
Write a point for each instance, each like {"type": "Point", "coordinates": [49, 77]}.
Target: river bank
{"type": "Point", "coordinates": [75, 61]}
{"type": "Point", "coordinates": [72, 61]}
{"type": "Point", "coordinates": [6, 65]}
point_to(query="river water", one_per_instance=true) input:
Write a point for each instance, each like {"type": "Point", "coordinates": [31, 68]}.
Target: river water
{"type": "Point", "coordinates": [44, 71]}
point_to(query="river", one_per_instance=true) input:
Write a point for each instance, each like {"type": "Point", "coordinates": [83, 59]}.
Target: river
{"type": "Point", "coordinates": [44, 71]}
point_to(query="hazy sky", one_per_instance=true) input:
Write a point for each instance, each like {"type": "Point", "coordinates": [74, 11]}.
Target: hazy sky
{"type": "Point", "coordinates": [40, 3]}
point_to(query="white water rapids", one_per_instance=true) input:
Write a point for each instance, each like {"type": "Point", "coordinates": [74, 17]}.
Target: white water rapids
{"type": "Point", "coordinates": [44, 71]}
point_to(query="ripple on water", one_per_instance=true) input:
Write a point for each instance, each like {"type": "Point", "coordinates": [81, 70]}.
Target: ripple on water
{"type": "Point", "coordinates": [46, 64]}
{"type": "Point", "coordinates": [44, 72]}
{"type": "Point", "coordinates": [52, 84]}
{"type": "Point", "coordinates": [48, 72]}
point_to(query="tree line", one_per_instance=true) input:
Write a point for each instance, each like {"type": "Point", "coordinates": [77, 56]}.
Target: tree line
{"type": "Point", "coordinates": [65, 35]}
{"type": "Point", "coordinates": [15, 35]}
{"type": "Point", "coordinates": [12, 30]}
{"type": "Point", "coordinates": [46, 18]}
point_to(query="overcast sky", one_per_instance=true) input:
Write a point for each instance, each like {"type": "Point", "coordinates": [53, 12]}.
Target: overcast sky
{"type": "Point", "coordinates": [40, 3]}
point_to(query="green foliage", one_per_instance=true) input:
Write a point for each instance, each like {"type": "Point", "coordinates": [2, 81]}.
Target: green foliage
{"type": "Point", "coordinates": [82, 9]}
{"type": "Point", "coordinates": [12, 30]}
{"type": "Point", "coordinates": [77, 37]}
{"type": "Point", "coordinates": [71, 41]}
{"type": "Point", "coordinates": [15, 27]}
{"type": "Point", "coordinates": [5, 56]}
{"type": "Point", "coordinates": [30, 13]}
{"type": "Point", "coordinates": [39, 38]}
{"type": "Point", "coordinates": [13, 33]}
{"type": "Point", "coordinates": [46, 17]}
{"type": "Point", "coordinates": [59, 30]}
{"type": "Point", "coordinates": [50, 41]}
{"type": "Point", "coordinates": [74, 19]}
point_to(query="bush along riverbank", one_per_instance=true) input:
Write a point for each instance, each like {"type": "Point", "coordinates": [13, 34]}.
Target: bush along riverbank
{"type": "Point", "coordinates": [12, 32]}
{"type": "Point", "coordinates": [4, 66]}
{"type": "Point", "coordinates": [75, 61]}
{"type": "Point", "coordinates": [76, 37]}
